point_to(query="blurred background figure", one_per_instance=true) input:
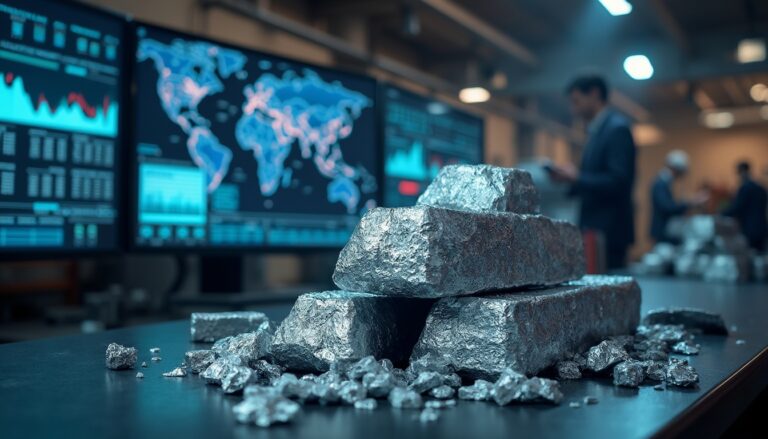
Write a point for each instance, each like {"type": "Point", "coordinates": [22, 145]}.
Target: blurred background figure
{"type": "Point", "coordinates": [664, 206]}
{"type": "Point", "coordinates": [605, 179]}
{"type": "Point", "coordinates": [749, 208]}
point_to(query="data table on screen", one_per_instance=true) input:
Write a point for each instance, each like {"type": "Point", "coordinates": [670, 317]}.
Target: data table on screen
{"type": "Point", "coordinates": [60, 138]}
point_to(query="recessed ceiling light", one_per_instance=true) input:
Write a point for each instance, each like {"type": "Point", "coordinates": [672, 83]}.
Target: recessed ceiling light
{"type": "Point", "coordinates": [474, 95]}
{"type": "Point", "coordinates": [718, 119]}
{"type": "Point", "coordinates": [750, 50]}
{"type": "Point", "coordinates": [617, 7]}
{"type": "Point", "coordinates": [638, 67]}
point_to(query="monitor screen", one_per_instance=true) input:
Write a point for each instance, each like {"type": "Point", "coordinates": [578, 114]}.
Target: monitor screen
{"type": "Point", "coordinates": [60, 97]}
{"type": "Point", "coordinates": [422, 135]}
{"type": "Point", "coordinates": [236, 148]}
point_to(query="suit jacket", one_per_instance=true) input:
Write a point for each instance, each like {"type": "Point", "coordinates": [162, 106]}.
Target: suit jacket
{"type": "Point", "coordinates": [664, 207]}
{"type": "Point", "coordinates": [606, 181]}
{"type": "Point", "coordinates": [749, 210]}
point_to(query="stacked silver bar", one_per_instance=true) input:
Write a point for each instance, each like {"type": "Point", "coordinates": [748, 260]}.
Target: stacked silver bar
{"type": "Point", "coordinates": [427, 251]}
{"type": "Point", "coordinates": [529, 330]}
{"type": "Point", "coordinates": [332, 326]}
{"type": "Point", "coordinates": [474, 230]}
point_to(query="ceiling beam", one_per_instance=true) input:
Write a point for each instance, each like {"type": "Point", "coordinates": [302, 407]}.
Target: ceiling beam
{"type": "Point", "coordinates": [671, 25]}
{"type": "Point", "coordinates": [483, 30]}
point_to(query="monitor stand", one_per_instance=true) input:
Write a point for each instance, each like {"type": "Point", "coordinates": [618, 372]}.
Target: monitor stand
{"type": "Point", "coordinates": [221, 274]}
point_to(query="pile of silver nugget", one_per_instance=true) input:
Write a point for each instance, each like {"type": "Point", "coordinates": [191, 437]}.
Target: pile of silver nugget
{"type": "Point", "coordinates": [468, 295]}
{"type": "Point", "coordinates": [712, 248]}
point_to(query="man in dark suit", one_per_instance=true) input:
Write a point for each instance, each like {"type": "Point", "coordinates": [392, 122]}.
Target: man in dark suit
{"type": "Point", "coordinates": [663, 204]}
{"type": "Point", "coordinates": [606, 177]}
{"type": "Point", "coordinates": [749, 208]}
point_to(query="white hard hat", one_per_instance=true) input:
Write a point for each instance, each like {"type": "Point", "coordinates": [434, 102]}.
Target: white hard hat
{"type": "Point", "coordinates": [677, 160]}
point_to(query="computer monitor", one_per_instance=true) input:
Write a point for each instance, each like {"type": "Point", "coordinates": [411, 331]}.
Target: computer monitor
{"type": "Point", "coordinates": [420, 136]}
{"type": "Point", "coordinates": [60, 98]}
{"type": "Point", "coordinates": [240, 149]}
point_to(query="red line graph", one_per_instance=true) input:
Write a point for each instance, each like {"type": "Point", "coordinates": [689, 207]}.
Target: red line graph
{"type": "Point", "coordinates": [72, 98]}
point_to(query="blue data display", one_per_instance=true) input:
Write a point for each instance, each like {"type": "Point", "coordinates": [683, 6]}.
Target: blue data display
{"type": "Point", "coordinates": [420, 137]}
{"type": "Point", "coordinates": [60, 90]}
{"type": "Point", "coordinates": [249, 149]}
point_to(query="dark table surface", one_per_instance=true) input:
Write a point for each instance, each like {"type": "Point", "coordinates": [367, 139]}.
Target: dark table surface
{"type": "Point", "coordinates": [60, 388]}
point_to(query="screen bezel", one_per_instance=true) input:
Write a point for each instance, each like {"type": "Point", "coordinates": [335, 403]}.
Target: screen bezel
{"type": "Point", "coordinates": [118, 248]}
{"type": "Point", "coordinates": [209, 250]}
{"type": "Point", "coordinates": [382, 114]}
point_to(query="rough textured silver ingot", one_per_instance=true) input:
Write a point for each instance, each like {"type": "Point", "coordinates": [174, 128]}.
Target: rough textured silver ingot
{"type": "Point", "coordinates": [120, 357]}
{"type": "Point", "coordinates": [529, 330]}
{"type": "Point", "coordinates": [343, 326]}
{"type": "Point", "coordinates": [482, 188]}
{"type": "Point", "coordinates": [431, 252]}
{"type": "Point", "coordinates": [211, 326]}
{"type": "Point", "coordinates": [691, 318]}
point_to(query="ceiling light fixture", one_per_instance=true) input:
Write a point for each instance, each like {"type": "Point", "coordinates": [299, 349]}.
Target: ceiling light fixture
{"type": "Point", "coordinates": [638, 67]}
{"type": "Point", "coordinates": [617, 7]}
{"type": "Point", "coordinates": [474, 95]}
{"type": "Point", "coordinates": [718, 119]}
{"type": "Point", "coordinates": [750, 50]}
{"type": "Point", "coordinates": [759, 92]}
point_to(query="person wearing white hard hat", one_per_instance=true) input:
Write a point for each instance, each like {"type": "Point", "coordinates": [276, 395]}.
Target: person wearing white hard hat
{"type": "Point", "coordinates": [663, 203]}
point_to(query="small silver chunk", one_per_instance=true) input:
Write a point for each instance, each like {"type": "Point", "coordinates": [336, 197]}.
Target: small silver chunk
{"type": "Point", "coordinates": [179, 372]}
{"type": "Point", "coordinates": [366, 404]}
{"type": "Point", "coordinates": [120, 357]}
{"type": "Point", "coordinates": [402, 398]}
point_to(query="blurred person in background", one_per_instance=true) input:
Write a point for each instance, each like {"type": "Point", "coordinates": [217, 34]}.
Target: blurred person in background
{"type": "Point", "coordinates": [606, 177]}
{"type": "Point", "coordinates": [749, 208]}
{"type": "Point", "coordinates": [664, 206]}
